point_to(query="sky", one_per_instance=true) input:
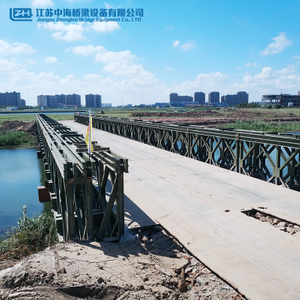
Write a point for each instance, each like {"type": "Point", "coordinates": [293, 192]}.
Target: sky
{"type": "Point", "coordinates": [158, 48]}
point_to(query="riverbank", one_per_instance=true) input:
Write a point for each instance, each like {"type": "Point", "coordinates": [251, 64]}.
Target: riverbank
{"type": "Point", "coordinates": [150, 265]}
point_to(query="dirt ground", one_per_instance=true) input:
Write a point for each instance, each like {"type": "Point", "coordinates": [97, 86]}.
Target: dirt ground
{"type": "Point", "coordinates": [148, 265]}
{"type": "Point", "coordinates": [29, 127]}
{"type": "Point", "coordinates": [214, 118]}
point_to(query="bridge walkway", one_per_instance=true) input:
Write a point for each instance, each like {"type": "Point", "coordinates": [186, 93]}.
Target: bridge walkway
{"type": "Point", "coordinates": [201, 205]}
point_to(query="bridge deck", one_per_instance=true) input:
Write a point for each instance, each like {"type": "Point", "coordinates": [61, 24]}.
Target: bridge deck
{"type": "Point", "coordinates": [190, 199]}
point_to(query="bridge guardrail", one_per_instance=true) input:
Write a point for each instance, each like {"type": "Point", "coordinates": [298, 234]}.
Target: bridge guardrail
{"type": "Point", "coordinates": [272, 157]}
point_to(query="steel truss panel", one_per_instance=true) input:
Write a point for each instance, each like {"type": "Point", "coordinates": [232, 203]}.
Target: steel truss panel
{"type": "Point", "coordinates": [79, 183]}
{"type": "Point", "coordinates": [272, 157]}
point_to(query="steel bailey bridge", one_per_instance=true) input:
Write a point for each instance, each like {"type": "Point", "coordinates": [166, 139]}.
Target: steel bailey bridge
{"type": "Point", "coordinates": [272, 157]}
{"type": "Point", "coordinates": [86, 191]}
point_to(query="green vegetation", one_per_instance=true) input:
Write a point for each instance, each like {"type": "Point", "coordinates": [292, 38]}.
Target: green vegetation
{"type": "Point", "coordinates": [27, 118]}
{"type": "Point", "coordinates": [60, 117]}
{"type": "Point", "coordinates": [264, 126]}
{"type": "Point", "coordinates": [248, 105]}
{"type": "Point", "coordinates": [13, 138]}
{"type": "Point", "coordinates": [31, 235]}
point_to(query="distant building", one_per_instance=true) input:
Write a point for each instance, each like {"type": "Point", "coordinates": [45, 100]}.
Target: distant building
{"type": "Point", "coordinates": [185, 98]}
{"type": "Point", "coordinates": [93, 100]}
{"type": "Point", "coordinates": [176, 100]}
{"type": "Point", "coordinates": [213, 97]}
{"type": "Point", "coordinates": [199, 97]}
{"type": "Point", "coordinates": [59, 100]}
{"type": "Point", "coordinates": [106, 105]}
{"type": "Point", "coordinates": [47, 101]}
{"type": "Point", "coordinates": [173, 98]}
{"type": "Point", "coordinates": [22, 103]}
{"type": "Point", "coordinates": [285, 100]}
{"type": "Point", "coordinates": [10, 99]}
{"type": "Point", "coordinates": [74, 100]}
{"type": "Point", "coordinates": [240, 97]}
{"type": "Point", "coordinates": [162, 104]}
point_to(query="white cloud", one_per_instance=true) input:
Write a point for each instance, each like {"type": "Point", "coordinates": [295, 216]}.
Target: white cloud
{"type": "Point", "coordinates": [296, 57]}
{"type": "Point", "coordinates": [92, 77]}
{"type": "Point", "coordinates": [42, 3]}
{"type": "Point", "coordinates": [269, 81]}
{"type": "Point", "coordinates": [105, 27]}
{"type": "Point", "coordinates": [202, 83]}
{"type": "Point", "coordinates": [169, 69]}
{"type": "Point", "coordinates": [136, 85]}
{"type": "Point", "coordinates": [50, 59]}
{"type": "Point", "coordinates": [280, 43]}
{"type": "Point", "coordinates": [75, 32]}
{"type": "Point", "coordinates": [121, 63]}
{"type": "Point", "coordinates": [69, 32]}
{"type": "Point", "coordinates": [126, 79]}
{"type": "Point", "coordinates": [15, 48]}
{"type": "Point", "coordinates": [124, 57]}
{"type": "Point", "coordinates": [30, 61]}
{"type": "Point", "coordinates": [251, 64]}
{"type": "Point", "coordinates": [86, 50]}
{"type": "Point", "coordinates": [285, 78]}
{"type": "Point", "coordinates": [187, 46]}
{"type": "Point", "coordinates": [134, 90]}
{"type": "Point", "coordinates": [176, 43]}
{"type": "Point", "coordinates": [7, 66]}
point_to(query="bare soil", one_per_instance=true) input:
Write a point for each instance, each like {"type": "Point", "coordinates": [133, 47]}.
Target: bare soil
{"type": "Point", "coordinates": [213, 118]}
{"type": "Point", "coordinates": [29, 127]}
{"type": "Point", "coordinates": [149, 265]}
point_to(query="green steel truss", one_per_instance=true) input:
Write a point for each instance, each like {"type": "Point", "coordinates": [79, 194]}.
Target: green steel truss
{"type": "Point", "coordinates": [272, 157]}
{"type": "Point", "coordinates": [86, 191]}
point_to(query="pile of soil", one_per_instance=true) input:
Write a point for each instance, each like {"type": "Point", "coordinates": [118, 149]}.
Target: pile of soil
{"type": "Point", "coordinates": [29, 127]}
{"type": "Point", "coordinates": [149, 265]}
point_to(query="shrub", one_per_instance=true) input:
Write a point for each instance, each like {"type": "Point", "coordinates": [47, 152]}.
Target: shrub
{"type": "Point", "coordinates": [11, 138]}
{"type": "Point", "coordinates": [31, 235]}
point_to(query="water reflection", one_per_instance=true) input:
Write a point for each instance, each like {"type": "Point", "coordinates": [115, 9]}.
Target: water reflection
{"type": "Point", "coordinates": [20, 175]}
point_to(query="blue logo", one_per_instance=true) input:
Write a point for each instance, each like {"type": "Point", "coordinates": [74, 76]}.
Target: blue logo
{"type": "Point", "coordinates": [20, 14]}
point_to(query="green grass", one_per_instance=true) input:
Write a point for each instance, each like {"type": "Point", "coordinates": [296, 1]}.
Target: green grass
{"type": "Point", "coordinates": [31, 235]}
{"type": "Point", "coordinates": [13, 138]}
{"type": "Point", "coordinates": [264, 126]}
{"type": "Point", "coordinates": [27, 118]}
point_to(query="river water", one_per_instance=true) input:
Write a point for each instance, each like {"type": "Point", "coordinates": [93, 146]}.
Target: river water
{"type": "Point", "coordinates": [20, 175]}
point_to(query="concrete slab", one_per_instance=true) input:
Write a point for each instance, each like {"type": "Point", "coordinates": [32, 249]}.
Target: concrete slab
{"type": "Point", "coordinates": [201, 206]}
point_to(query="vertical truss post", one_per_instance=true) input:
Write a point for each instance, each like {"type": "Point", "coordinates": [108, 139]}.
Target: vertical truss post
{"type": "Point", "coordinates": [120, 201]}
{"type": "Point", "coordinates": [88, 209]}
